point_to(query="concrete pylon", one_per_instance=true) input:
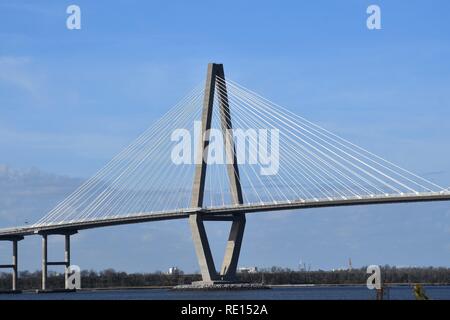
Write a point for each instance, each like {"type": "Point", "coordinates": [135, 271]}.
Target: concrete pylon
{"type": "Point", "coordinates": [196, 221]}
{"type": "Point", "coordinates": [233, 248]}
{"type": "Point", "coordinates": [202, 249]}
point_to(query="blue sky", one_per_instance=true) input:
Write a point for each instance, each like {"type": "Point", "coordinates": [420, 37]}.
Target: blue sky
{"type": "Point", "coordinates": [70, 100]}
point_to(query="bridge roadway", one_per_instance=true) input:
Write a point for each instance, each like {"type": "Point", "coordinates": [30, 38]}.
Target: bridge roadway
{"type": "Point", "coordinates": [222, 212]}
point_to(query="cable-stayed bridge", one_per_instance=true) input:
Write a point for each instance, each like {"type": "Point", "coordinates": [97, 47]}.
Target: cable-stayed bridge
{"type": "Point", "coordinates": [220, 153]}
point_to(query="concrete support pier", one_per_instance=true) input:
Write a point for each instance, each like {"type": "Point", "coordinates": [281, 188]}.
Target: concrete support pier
{"type": "Point", "coordinates": [15, 261]}
{"type": "Point", "coordinates": [65, 263]}
{"type": "Point", "coordinates": [233, 248]}
{"type": "Point", "coordinates": [203, 250]}
{"type": "Point", "coordinates": [44, 262]}
{"type": "Point", "coordinates": [66, 259]}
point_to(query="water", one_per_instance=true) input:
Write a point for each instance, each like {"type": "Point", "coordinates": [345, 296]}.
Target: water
{"type": "Point", "coordinates": [284, 293]}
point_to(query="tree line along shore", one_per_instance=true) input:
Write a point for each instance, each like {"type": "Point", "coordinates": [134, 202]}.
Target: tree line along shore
{"type": "Point", "coordinates": [110, 278]}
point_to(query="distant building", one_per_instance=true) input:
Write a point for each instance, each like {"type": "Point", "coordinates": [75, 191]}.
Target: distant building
{"type": "Point", "coordinates": [247, 269]}
{"type": "Point", "coordinates": [174, 271]}
{"type": "Point", "coordinates": [339, 269]}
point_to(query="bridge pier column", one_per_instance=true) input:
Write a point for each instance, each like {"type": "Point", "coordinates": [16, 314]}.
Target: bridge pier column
{"type": "Point", "coordinates": [66, 260]}
{"type": "Point", "coordinates": [233, 248]}
{"type": "Point", "coordinates": [44, 262]}
{"type": "Point", "coordinates": [15, 260]}
{"type": "Point", "coordinates": [65, 263]}
{"type": "Point", "coordinates": [203, 250]}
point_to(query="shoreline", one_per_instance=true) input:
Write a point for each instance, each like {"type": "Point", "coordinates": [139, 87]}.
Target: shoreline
{"type": "Point", "coordinates": [268, 285]}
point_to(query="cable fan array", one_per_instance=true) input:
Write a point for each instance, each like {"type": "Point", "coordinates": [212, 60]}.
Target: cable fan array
{"type": "Point", "coordinates": [140, 179]}
{"type": "Point", "coordinates": [313, 162]}
{"type": "Point", "coordinates": [282, 158]}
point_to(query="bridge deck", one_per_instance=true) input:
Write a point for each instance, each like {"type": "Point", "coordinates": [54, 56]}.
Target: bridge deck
{"type": "Point", "coordinates": [221, 211]}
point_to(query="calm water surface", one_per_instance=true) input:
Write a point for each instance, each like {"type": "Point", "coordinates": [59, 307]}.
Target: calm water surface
{"type": "Point", "coordinates": [290, 293]}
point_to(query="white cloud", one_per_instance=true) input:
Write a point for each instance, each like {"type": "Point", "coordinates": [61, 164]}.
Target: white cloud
{"type": "Point", "coordinates": [27, 195]}
{"type": "Point", "coordinates": [18, 72]}
{"type": "Point", "coordinates": [82, 144]}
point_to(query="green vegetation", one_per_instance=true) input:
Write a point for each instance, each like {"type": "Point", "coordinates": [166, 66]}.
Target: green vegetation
{"type": "Point", "coordinates": [411, 275]}
{"type": "Point", "coordinates": [272, 276]}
